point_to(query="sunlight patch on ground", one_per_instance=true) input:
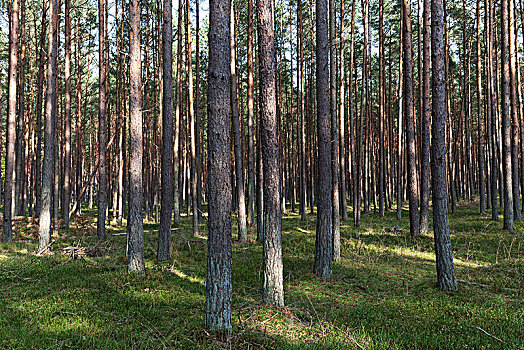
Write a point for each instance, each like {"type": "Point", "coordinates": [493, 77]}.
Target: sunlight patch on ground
{"type": "Point", "coordinates": [189, 278]}
{"type": "Point", "coordinates": [413, 253]}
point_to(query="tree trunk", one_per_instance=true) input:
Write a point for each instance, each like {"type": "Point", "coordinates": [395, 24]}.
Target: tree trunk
{"type": "Point", "coordinates": [400, 122]}
{"type": "Point", "coordinates": [7, 235]}
{"type": "Point", "coordinates": [506, 116]}
{"type": "Point", "coordinates": [303, 181]}
{"type": "Point", "coordinates": [335, 197]}
{"type": "Point", "coordinates": [444, 255]}
{"type": "Point", "coordinates": [480, 128]}
{"type": "Point", "coordinates": [493, 112]}
{"type": "Point", "coordinates": [102, 120]}
{"type": "Point", "coordinates": [342, 130]}
{"type": "Point", "coordinates": [191, 105]}
{"type": "Point", "coordinates": [514, 119]}
{"type": "Point", "coordinates": [67, 122]}
{"type": "Point", "coordinates": [44, 232]}
{"type": "Point", "coordinates": [272, 278]}
{"type": "Point", "coordinates": [239, 166]}
{"type": "Point", "coordinates": [218, 281]}
{"type": "Point", "coordinates": [250, 119]}
{"type": "Point", "coordinates": [20, 144]}
{"type": "Point", "coordinates": [177, 154]}
{"type": "Point", "coordinates": [135, 230]}
{"type": "Point", "coordinates": [166, 209]}
{"type": "Point", "coordinates": [324, 239]}
{"type": "Point", "coordinates": [414, 224]}
{"type": "Point", "coordinates": [381, 116]}
{"type": "Point", "coordinates": [425, 121]}
{"type": "Point", "coordinates": [39, 98]}
{"type": "Point", "coordinates": [198, 158]}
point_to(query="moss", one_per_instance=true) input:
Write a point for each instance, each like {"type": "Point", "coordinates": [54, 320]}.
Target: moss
{"type": "Point", "coordinates": [382, 295]}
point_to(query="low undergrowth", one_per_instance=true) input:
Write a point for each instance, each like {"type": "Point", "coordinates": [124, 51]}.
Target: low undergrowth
{"type": "Point", "coordinates": [383, 293]}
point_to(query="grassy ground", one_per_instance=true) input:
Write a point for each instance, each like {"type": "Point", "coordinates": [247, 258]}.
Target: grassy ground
{"type": "Point", "coordinates": [382, 296]}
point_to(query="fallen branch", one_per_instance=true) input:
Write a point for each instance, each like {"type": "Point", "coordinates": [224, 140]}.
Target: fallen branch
{"type": "Point", "coordinates": [349, 337]}
{"type": "Point", "coordinates": [491, 335]}
{"type": "Point", "coordinates": [512, 290]}
{"type": "Point", "coordinates": [25, 267]}
{"type": "Point", "coordinates": [46, 248]}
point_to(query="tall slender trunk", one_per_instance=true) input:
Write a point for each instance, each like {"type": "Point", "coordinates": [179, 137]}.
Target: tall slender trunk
{"type": "Point", "coordinates": [135, 230]}
{"type": "Point", "coordinates": [120, 105]}
{"type": "Point", "coordinates": [67, 122]}
{"type": "Point", "coordinates": [44, 232]}
{"type": "Point", "coordinates": [302, 137]}
{"type": "Point", "coordinates": [425, 121]}
{"type": "Point", "coordinates": [7, 226]}
{"type": "Point", "coordinates": [166, 208]}
{"type": "Point", "coordinates": [177, 154]}
{"type": "Point", "coordinates": [506, 115]}
{"type": "Point", "coordinates": [400, 121]}
{"type": "Point", "coordinates": [191, 105]}
{"type": "Point", "coordinates": [381, 116]}
{"type": "Point", "coordinates": [324, 239]}
{"type": "Point", "coordinates": [273, 275]}
{"type": "Point", "coordinates": [198, 157]}
{"type": "Point", "coordinates": [102, 120]}
{"type": "Point", "coordinates": [514, 119]}
{"type": "Point", "coordinates": [250, 119]}
{"type": "Point", "coordinates": [335, 199]}
{"type": "Point", "coordinates": [352, 118]}
{"type": "Point", "coordinates": [480, 128]}
{"type": "Point", "coordinates": [39, 98]}
{"type": "Point", "coordinates": [239, 166]}
{"type": "Point", "coordinates": [342, 130]}
{"type": "Point", "coordinates": [444, 255]}
{"type": "Point", "coordinates": [218, 281]}
{"type": "Point", "coordinates": [414, 222]}
{"type": "Point", "coordinates": [493, 102]}
{"type": "Point", "coordinates": [20, 144]}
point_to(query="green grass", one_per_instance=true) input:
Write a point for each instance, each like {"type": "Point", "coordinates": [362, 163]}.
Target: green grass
{"type": "Point", "coordinates": [383, 293]}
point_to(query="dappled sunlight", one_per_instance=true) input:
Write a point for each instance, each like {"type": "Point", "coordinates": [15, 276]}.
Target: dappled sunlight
{"type": "Point", "coordinates": [182, 275]}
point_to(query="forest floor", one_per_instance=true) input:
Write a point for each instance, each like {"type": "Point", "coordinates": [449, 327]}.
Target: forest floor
{"type": "Point", "coordinates": [383, 293]}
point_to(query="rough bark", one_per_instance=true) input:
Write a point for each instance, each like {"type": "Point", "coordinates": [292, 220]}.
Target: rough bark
{"type": "Point", "coordinates": [177, 122]}
{"type": "Point", "coordinates": [381, 112]}
{"type": "Point", "coordinates": [135, 229]}
{"type": "Point", "coordinates": [250, 119]}
{"type": "Point", "coordinates": [324, 239]}
{"type": "Point", "coordinates": [102, 120]}
{"type": "Point", "coordinates": [514, 119]}
{"type": "Point", "coordinates": [303, 190]}
{"type": "Point", "coordinates": [425, 122]}
{"type": "Point", "coordinates": [414, 223]}
{"type": "Point", "coordinates": [67, 114]}
{"type": "Point", "coordinates": [166, 207]}
{"type": "Point", "coordinates": [192, 121]}
{"type": "Point", "coordinates": [342, 130]}
{"type": "Point", "coordinates": [273, 274]}
{"type": "Point", "coordinates": [218, 281]}
{"type": "Point", "coordinates": [506, 116]}
{"type": "Point", "coordinates": [39, 98]}
{"type": "Point", "coordinates": [335, 195]}
{"type": "Point", "coordinates": [480, 121]}
{"type": "Point", "coordinates": [239, 164]}
{"type": "Point", "coordinates": [7, 225]}
{"type": "Point", "coordinates": [20, 174]}
{"type": "Point", "coordinates": [44, 232]}
{"type": "Point", "coordinates": [444, 255]}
